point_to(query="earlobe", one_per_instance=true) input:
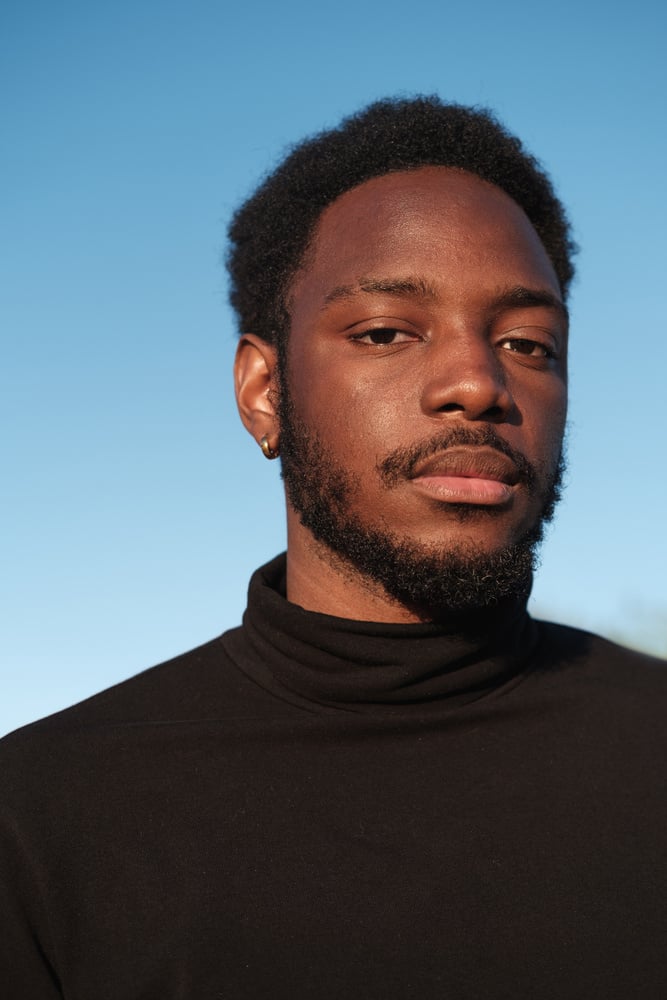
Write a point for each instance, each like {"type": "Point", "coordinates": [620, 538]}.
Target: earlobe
{"type": "Point", "coordinates": [255, 385]}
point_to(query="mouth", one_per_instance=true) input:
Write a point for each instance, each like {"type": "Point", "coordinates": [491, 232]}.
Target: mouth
{"type": "Point", "coordinates": [479, 475]}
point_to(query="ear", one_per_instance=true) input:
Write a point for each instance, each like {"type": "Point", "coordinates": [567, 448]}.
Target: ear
{"type": "Point", "coordinates": [256, 385]}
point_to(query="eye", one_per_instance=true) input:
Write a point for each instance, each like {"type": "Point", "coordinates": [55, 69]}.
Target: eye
{"type": "Point", "coordinates": [383, 336]}
{"type": "Point", "coordinates": [529, 348]}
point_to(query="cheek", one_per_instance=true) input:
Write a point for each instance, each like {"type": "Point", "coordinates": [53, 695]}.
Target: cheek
{"type": "Point", "coordinates": [550, 426]}
{"type": "Point", "coordinates": [330, 398]}
{"type": "Point", "coordinates": [540, 397]}
{"type": "Point", "coordinates": [370, 419]}
{"type": "Point", "coordinates": [556, 408]}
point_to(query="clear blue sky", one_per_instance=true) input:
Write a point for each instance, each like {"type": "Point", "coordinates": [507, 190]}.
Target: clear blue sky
{"type": "Point", "coordinates": [134, 506]}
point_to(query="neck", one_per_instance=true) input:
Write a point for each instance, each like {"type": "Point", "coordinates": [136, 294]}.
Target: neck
{"type": "Point", "coordinates": [376, 579]}
{"type": "Point", "coordinates": [319, 580]}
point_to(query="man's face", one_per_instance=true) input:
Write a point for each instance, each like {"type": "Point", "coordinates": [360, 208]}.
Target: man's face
{"type": "Point", "coordinates": [424, 396]}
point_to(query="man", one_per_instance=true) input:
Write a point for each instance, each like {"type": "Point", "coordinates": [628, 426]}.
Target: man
{"type": "Point", "coordinates": [390, 782]}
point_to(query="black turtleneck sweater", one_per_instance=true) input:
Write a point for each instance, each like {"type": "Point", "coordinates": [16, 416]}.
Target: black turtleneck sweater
{"type": "Point", "coordinates": [310, 807]}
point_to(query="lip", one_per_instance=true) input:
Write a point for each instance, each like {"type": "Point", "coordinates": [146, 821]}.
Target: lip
{"type": "Point", "coordinates": [478, 475]}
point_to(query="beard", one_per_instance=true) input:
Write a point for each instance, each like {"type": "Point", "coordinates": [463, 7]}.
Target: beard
{"type": "Point", "coordinates": [426, 578]}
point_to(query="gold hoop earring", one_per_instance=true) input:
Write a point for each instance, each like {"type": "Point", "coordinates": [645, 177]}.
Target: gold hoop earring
{"type": "Point", "coordinates": [267, 450]}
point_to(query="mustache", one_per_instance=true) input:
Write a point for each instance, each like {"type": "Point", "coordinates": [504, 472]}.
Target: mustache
{"type": "Point", "coordinates": [401, 463]}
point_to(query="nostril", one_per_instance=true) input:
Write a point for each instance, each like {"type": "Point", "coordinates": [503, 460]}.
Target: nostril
{"type": "Point", "coordinates": [451, 408]}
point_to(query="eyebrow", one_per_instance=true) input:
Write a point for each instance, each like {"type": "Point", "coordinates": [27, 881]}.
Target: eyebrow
{"type": "Point", "coordinates": [516, 297]}
{"type": "Point", "coordinates": [400, 287]}
{"type": "Point", "coordinates": [519, 297]}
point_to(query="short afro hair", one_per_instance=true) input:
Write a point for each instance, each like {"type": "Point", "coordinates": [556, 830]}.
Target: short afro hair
{"type": "Point", "coordinates": [271, 232]}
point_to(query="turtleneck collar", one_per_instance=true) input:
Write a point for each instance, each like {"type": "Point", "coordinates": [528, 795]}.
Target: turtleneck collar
{"type": "Point", "coordinates": [338, 663]}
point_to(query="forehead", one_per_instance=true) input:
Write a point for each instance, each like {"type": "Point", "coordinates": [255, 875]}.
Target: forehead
{"type": "Point", "coordinates": [442, 222]}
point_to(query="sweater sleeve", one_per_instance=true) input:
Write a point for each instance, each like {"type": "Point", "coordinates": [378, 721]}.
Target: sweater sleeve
{"type": "Point", "coordinates": [25, 970]}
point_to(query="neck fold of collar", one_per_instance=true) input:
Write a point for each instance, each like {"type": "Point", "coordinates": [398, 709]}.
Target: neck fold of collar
{"type": "Point", "coordinates": [368, 667]}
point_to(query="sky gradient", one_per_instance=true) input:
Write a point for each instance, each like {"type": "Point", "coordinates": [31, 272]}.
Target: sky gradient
{"type": "Point", "coordinates": [135, 506]}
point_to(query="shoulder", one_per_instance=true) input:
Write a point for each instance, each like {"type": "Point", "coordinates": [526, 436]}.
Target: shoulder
{"type": "Point", "coordinates": [194, 687]}
{"type": "Point", "coordinates": [601, 676]}
{"type": "Point", "coordinates": [564, 645]}
{"type": "Point", "coordinates": [148, 695]}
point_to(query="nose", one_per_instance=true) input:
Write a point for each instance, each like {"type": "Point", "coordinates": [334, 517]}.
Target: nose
{"type": "Point", "coordinates": [465, 377]}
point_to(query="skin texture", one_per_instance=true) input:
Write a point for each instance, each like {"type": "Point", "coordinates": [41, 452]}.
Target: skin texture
{"type": "Point", "coordinates": [453, 266]}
